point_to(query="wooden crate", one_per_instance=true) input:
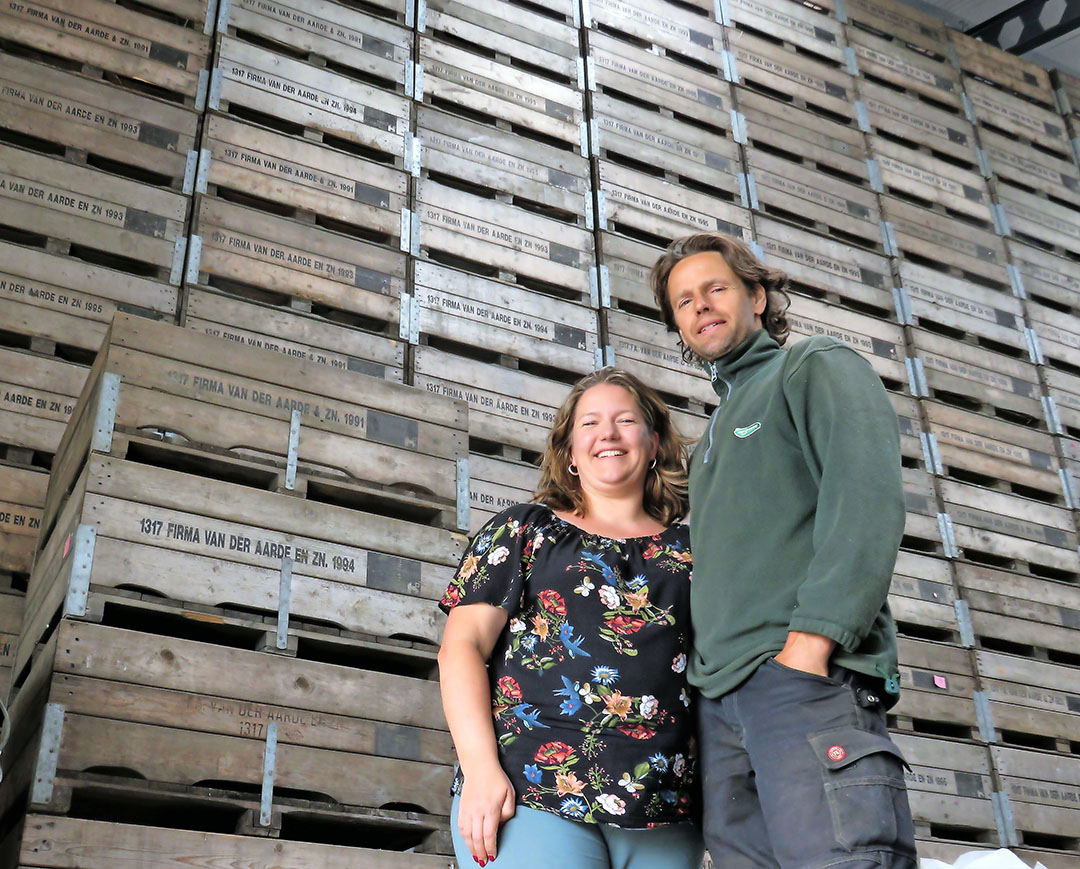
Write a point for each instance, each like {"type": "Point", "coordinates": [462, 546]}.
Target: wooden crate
{"type": "Point", "coordinates": [1032, 703]}
{"type": "Point", "coordinates": [949, 785]}
{"type": "Point", "coordinates": [87, 119]}
{"type": "Point", "coordinates": [303, 180]}
{"type": "Point", "coordinates": [657, 211]}
{"type": "Point", "coordinates": [811, 140]}
{"type": "Point", "coordinates": [1017, 118]}
{"type": "Point", "coordinates": [816, 200]}
{"type": "Point", "coordinates": [991, 452]}
{"type": "Point", "coordinates": [623, 281]}
{"type": "Point", "coordinates": [963, 309]}
{"type": "Point", "coordinates": [685, 35]}
{"type": "Point", "coordinates": [22, 497]}
{"type": "Point", "coordinates": [544, 178]}
{"type": "Point", "coordinates": [937, 690]}
{"type": "Point", "coordinates": [946, 243]}
{"type": "Point", "coordinates": [143, 51]}
{"type": "Point", "coordinates": [1046, 277]}
{"type": "Point", "coordinates": [1041, 221]}
{"type": "Point", "coordinates": [224, 410]}
{"type": "Point", "coordinates": [11, 614]}
{"type": "Point", "coordinates": [908, 418]}
{"type": "Point", "coordinates": [1067, 92]}
{"type": "Point", "coordinates": [307, 100]}
{"type": "Point", "coordinates": [645, 348]}
{"type": "Point", "coordinates": [1003, 530]}
{"type": "Point", "coordinates": [294, 334]}
{"type": "Point", "coordinates": [497, 93]}
{"type": "Point", "coordinates": [968, 376]}
{"type": "Point", "coordinates": [1034, 616]}
{"type": "Point", "coordinates": [809, 29]}
{"type": "Point", "coordinates": [803, 80]}
{"type": "Point", "coordinates": [368, 48]}
{"type": "Point", "coordinates": [57, 842]}
{"type": "Point", "coordinates": [931, 181]}
{"type": "Point", "coordinates": [1045, 174]}
{"type": "Point", "coordinates": [638, 80]}
{"type": "Point", "coordinates": [61, 301]}
{"type": "Point", "coordinates": [922, 598]}
{"type": "Point", "coordinates": [1044, 795]}
{"type": "Point", "coordinates": [1058, 333]}
{"type": "Point", "coordinates": [486, 318]}
{"type": "Point", "coordinates": [126, 224]}
{"type": "Point", "coordinates": [917, 73]}
{"type": "Point", "coordinates": [467, 229]}
{"type": "Point", "coordinates": [275, 259]}
{"type": "Point", "coordinates": [828, 269]}
{"type": "Point", "coordinates": [1063, 388]}
{"type": "Point", "coordinates": [917, 124]}
{"type": "Point", "coordinates": [507, 407]}
{"type": "Point", "coordinates": [880, 342]}
{"type": "Point", "coordinates": [1004, 69]}
{"type": "Point", "coordinates": [136, 535]}
{"type": "Point", "coordinates": [948, 852]}
{"type": "Point", "coordinates": [922, 531]}
{"type": "Point", "coordinates": [495, 484]}
{"type": "Point", "coordinates": [896, 20]}
{"type": "Point", "coordinates": [37, 398]}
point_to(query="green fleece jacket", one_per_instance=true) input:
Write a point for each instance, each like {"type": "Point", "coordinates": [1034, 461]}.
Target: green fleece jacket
{"type": "Point", "coordinates": [796, 511]}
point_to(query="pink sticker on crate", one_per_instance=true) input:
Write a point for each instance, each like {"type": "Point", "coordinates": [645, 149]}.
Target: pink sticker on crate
{"type": "Point", "coordinates": [67, 546]}
{"type": "Point", "coordinates": [940, 682]}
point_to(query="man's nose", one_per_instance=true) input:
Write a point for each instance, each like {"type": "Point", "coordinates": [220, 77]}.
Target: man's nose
{"type": "Point", "coordinates": [701, 302]}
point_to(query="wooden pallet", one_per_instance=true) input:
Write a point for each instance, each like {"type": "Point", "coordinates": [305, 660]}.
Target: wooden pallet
{"type": "Point", "coordinates": [145, 52]}
{"type": "Point", "coordinates": [537, 175]}
{"type": "Point", "coordinates": [950, 851]}
{"type": "Point", "coordinates": [1044, 174]}
{"type": "Point", "coordinates": [473, 85]}
{"type": "Point", "coordinates": [87, 120]}
{"type": "Point", "coordinates": [495, 484]}
{"type": "Point", "coordinates": [1044, 795]}
{"type": "Point", "coordinates": [487, 318]}
{"type": "Point", "coordinates": [308, 101]}
{"type": "Point", "coordinates": [259, 255]}
{"type": "Point", "coordinates": [918, 125]}
{"type": "Point", "coordinates": [463, 228]}
{"type": "Point", "coordinates": [64, 207]}
{"type": "Point", "coordinates": [11, 614]}
{"type": "Point", "coordinates": [1059, 339]}
{"type": "Point", "coordinates": [1037, 220]}
{"type": "Point", "coordinates": [326, 33]}
{"type": "Point", "coordinates": [827, 269]}
{"type": "Point", "coordinates": [672, 30]}
{"type": "Point", "coordinates": [1012, 116]}
{"type": "Point", "coordinates": [22, 497]}
{"type": "Point", "coordinates": [931, 182]}
{"type": "Point", "coordinates": [918, 73]}
{"type": "Point", "coordinates": [898, 21]}
{"type": "Point", "coordinates": [1063, 387]}
{"type": "Point", "coordinates": [1031, 702]}
{"type": "Point", "coordinates": [922, 598]}
{"type": "Point", "coordinates": [1004, 69]}
{"type": "Point", "coordinates": [294, 334]}
{"type": "Point", "coordinates": [922, 531]}
{"type": "Point", "coordinates": [37, 398]}
{"type": "Point", "coordinates": [303, 180]}
{"type": "Point", "coordinates": [937, 690]}
{"type": "Point", "coordinates": [809, 29]}
{"type": "Point", "coordinates": [1047, 277]}
{"type": "Point", "coordinates": [624, 274]}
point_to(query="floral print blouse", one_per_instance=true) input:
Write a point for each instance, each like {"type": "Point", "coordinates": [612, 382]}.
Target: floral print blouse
{"type": "Point", "coordinates": [588, 683]}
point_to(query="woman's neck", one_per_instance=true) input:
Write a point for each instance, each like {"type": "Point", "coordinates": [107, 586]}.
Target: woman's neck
{"type": "Point", "coordinates": [613, 517]}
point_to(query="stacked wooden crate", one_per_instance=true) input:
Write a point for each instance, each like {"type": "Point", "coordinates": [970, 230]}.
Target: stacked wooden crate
{"type": "Point", "coordinates": [230, 626]}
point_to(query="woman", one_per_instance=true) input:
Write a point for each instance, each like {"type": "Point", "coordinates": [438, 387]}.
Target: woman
{"type": "Point", "coordinates": [563, 659]}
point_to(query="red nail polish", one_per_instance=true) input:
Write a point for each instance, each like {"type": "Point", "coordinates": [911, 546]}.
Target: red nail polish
{"type": "Point", "coordinates": [483, 863]}
{"type": "Point", "coordinates": [491, 857]}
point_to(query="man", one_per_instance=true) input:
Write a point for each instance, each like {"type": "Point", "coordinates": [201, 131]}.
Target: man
{"type": "Point", "coordinates": [796, 515]}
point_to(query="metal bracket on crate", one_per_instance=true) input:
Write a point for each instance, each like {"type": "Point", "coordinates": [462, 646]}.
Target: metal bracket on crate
{"type": "Point", "coordinates": [194, 259]}
{"type": "Point", "coordinates": [82, 563]}
{"type": "Point", "coordinates": [414, 80]}
{"type": "Point", "coordinates": [841, 12]}
{"type": "Point", "coordinates": [1035, 348]}
{"type": "Point", "coordinates": [601, 210]}
{"type": "Point", "coordinates": [963, 621]}
{"type": "Point", "coordinates": [874, 171]}
{"type": "Point", "coordinates": [211, 17]}
{"type": "Point", "coordinates": [294, 448]}
{"type": "Point", "coordinates": [266, 799]}
{"type": "Point", "coordinates": [1053, 421]}
{"type": "Point", "coordinates": [404, 230]}
{"type": "Point", "coordinates": [602, 277]}
{"type": "Point", "coordinates": [930, 453]}
{"type": "Point", "coordinates": [580, 68]}
{"type": "Point", "coordinates": [222, 17]}
{"type": "Point", "coordinates": [731, 68]}
{"type": "Point", "coordinates": [984, 162]}
{"type": "Point", "coordinates": [984, 717]}
{"type": "Point", "coordinates": [190, 167]}
{"type": "Point", "coordinates": [413, 154]}
{"type": "Point", "coordinates": [577, 16]}
{"type": "Point", "coordinates": [748, 190]}
{"type": "Point", "coordinates": [969, 109]}
{"type": "Point", "coordinates": [888, 239]}
{"type": "Point", "coordinates": [902, 303]}
{"type": "Point", "coordinates": [410, 15]}
{"type": "Point", "coordinates": [738, 127]}
{"type": "Point", "coordinates": [583, 133]}
{"type": "Point", "coordinates": [590, 74]}
{"type": "Point", "coordinates": [757, 250]}
{"type": "Point", "coordinates": [589, 224]}
{"type": "Point", "coordinates": [200, 90]}
{"type": "Point", "coordinates": [862, 117]}
{"type": "Point", "coordinates": [948, 535]}
{"type": "Point", "coordinates": [916, 376]}
{"type": "Point", "coordinates": [1067, 489]}
{"type": "Point", "coordinates": [41, 791]}
{"type": "Point", "coordinates": [721, 13]}
{"type": "Point", "coordinates": [176, 270]}
{"type": "Point", "coordinates": [409, 319]}
{"type": "Point", "coordinates": [1003, 817]}
{"type": "Point", "coordinates": [284, 602]}
{"type": "Point", "coordinates": [1001, 219]}
{"type": "Point", "coordinates": [1017, 281]}
{"type": "Point", "coordinates": [202, 173]}
{"type": "Point", "coordinates": [414, 234]}
{"type": "Point", "coordinates": [954, 58]}
{"type": "Point", "coordinates": [213, 98]}
{"type": "Point", "coordinates": [1062, 100]}
{"type": "Point", "coordinates": [852, 61]}
{"type": "Point", "coordinates": [421, 15]}
{"type": "Point", "coordinates": [463, 493]}
{"type": "Point", "coordinates": [608, 355]}
{"type": "Point", "coordinates": [105, 415]}
{"type": "Point", "coordinates": [1075, 142]}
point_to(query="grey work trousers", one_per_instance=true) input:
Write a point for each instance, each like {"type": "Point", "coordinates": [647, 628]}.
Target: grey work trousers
{"type": "Point", "coordinates": [798, 771]}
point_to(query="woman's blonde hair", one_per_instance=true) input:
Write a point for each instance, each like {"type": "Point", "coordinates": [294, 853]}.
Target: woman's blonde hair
{"type": "Point", "coordinates": [666, 496]}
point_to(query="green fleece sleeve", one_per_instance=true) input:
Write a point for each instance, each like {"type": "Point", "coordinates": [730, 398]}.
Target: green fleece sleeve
{"type": "Point", "coordinates": [850, 438]}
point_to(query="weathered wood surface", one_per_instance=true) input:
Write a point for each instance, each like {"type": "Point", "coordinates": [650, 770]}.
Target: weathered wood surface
{"type": "Point", "coordinates": [1043, 789]}
{"type": "Point", "coordinates": [899, 21]}
{"type": "Point", "coordinates": [949, 781]}
{"type": "Point", "coordinates": [666, 26]}
{"type": "Point", "coordinates": [1047, 274]}
{"type": "Point", "coordinates": [1058, 336]}
{"type": "Point", "coordinates": [11, 616]}
{"type": "Point", "coordinates": [917, 72]}
{"type": "Point", "coordinates": [1067, 92]}
{"type": "Point", "coordinates": [802, 27]}
{"type": "Point", "coordinates": [1017, 117]}
{"type": "Point", "coordinates": [1038, 219]}
{"type": "Point", "coordinates": [51, 842]}
{"type": "Point", "coordinates": [89, 116]}
{"type": "Point", "coordinates": [624, 272]}
{"type": "Point", "coordinates": [244, 248]}
{"type": "Point", "coordinates": [503, 318]}
{"type": "Point", "coordinates": [1030, 696]}
{"type": "Point", "coordinates": [1013, 73]}
{"type": "Point", "coordinates": [495, 484]}
{"type": "Point", "coordinates": [937, 684]}
{"type": "Point", "coordinates": [949, 852]}
{"type": "Point", "coordinates": [1052, 176]}
{"type": "Point", "coordinates": [135, 45]}
{"type": "Point", "coordinates": [22, 497]}
{"type": "Point", "coordinates": [921, 523]}
{"type": "Point", "coordinates": [545, 42]}
{"type": "Point", "coordinates": [37, 398]}
{"type": "Point", "coordinates": [294, 334]}
{"type": "Point", "coordinates": [1064, 389]}
{"type": "Point", "coordinates": [85, 206]}
{"type": "Point", "coordinates": [932, 180]}
{"type": "Point", "coordinates": [902, 115]}
{"type": "Point", "coordinates": [922, 593]}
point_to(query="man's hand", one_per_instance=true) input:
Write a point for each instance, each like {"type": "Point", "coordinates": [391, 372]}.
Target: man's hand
{"type": "Point", "coordinates": [807, 652]}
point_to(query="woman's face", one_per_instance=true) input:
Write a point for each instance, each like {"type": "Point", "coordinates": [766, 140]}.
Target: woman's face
{"type": "Point", "coordinates": [610, 442]}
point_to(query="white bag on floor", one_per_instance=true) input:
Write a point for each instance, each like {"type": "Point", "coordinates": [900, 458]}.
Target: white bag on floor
{"type": "Point", "coordinates": [1000, 859]}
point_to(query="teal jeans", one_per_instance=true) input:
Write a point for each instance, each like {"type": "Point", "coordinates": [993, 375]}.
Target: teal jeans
{"type": "Point", "coordinates": [534, 839]}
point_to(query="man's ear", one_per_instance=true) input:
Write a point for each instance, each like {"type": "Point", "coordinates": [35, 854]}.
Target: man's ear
{"type": "Point", "coordinates": [760, 299]}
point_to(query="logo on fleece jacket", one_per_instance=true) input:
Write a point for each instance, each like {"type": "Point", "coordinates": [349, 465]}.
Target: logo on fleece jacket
{"type": "Point", "coordinates": [747, 430]}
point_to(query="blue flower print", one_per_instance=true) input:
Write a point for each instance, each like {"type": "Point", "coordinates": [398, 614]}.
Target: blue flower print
{"type": "Point", "coordinates": [529, 718]}
{"type": "Point", "coordinates": [605, 569]}
{"type": "Point", "coordinates": [605, 675]}
{"type": "Point", "coordinates": [572, 703]}
{"type": "Point", "coordinates": [482, 544]}
{"type": "Point", "coordinates": [669, 797]}
{"type": "Point", "coordinates": [659, 762]}
{"type": "Point", "coordinates": [573, 807]}
{"type": "Point", "coordinates": [533, 773]}
{"type": "Point", "coordinates": [573, 647]}
{"type": "Point", "coordinates": [637, 582]}
{"type": "Point", "coordinates": [528, 642]}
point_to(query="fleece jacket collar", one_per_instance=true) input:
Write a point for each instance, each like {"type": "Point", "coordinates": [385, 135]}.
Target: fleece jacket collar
{"type": "Point", "coordinates": [734, 367]}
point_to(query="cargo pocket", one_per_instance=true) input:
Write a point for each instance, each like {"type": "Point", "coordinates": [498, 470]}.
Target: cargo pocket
{"type": "Point", "coordinates": [864, 787]}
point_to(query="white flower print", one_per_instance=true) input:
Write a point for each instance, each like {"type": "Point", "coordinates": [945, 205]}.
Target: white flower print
{"type": "Point", "coordinates": [678, 764]}
{"type": "Point", "coordinates": [609, 597]}
{"type": "Point", "coordinates": [612, 804]}
{"type": "Point", "coordinates": [498, 556]}
{"type": "Point", "coordinates": [679, 664]}
{"type": "Point", "coordinates": [516, 626]}
{"type": "Point", "coordinates": [647, 706]}
{"type": "Point", "coordinates": [684, 696]}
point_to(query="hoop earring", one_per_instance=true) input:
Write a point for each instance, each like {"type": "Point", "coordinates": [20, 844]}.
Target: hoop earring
{"type": "Point", "coordinates": [652, 464]}
{"type": "Point", "coordinates": [573, 470]}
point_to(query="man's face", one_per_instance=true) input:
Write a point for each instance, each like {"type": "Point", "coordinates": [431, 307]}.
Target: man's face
{"type": "Point", "coordinates": [714, 311]}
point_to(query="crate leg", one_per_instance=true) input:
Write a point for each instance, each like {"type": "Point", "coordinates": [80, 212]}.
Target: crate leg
{"type": "Point", "coordinates": [248, 824]}
{"type": "Point", "coordinates": [268, 643]}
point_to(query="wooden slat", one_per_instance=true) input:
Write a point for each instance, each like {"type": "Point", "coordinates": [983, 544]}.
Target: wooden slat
{"type": "Point", "coordinates": [1017, 117]}
{"type": "Point", "coordinates": [37, 397]}
{"type": "Point", "coordinates": [22, 497]}
{"type": "Point", "coordinates": [666, 25]}
{"type": "Point", "coordinates": [549, 42]}
{"type": "Point", "coordinates": [899, 21]}
{"type": "Point", "coordinates": [988, 61]}
{"type": "Point", "coordinates": [917, 72]}
{"type": "Point", "coordinates": [1046, 275]}
{"type": "Point", "coordinates": [918, 123]}
{"type": "Point", "coordinates": [938, 184]}
{"type": "Point", "coordinates": [803, 27]}
{"type": "Point", "coordinates": [495, 484]}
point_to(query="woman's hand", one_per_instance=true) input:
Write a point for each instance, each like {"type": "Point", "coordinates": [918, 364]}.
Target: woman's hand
{"type": "Point", "coordinates": [487, 801]}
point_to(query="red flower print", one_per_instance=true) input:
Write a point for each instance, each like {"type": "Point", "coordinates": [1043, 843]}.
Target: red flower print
{"type": "Point", "coordinates": [452, 596]}
{"type": "Point", "coordinates": [637, 731]}
{"type": "Point", "coordinates": [651, 551]}
{"type": "Point", "coordinates": [552, 601]}
{"type": "Point", "coordinates": [553, 753]}
{"type": "Point", "coordinates": [509, 688]}
{"type": "Point", "coordinates": [625, 624]}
